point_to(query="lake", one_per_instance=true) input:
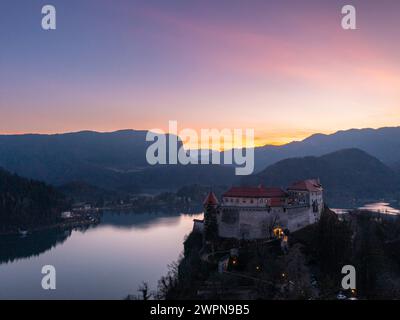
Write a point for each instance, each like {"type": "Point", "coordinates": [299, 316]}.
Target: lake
{"type": "Point", "coordinates": [381, 207]}
{"type": "Point", "coordinates": [108, 261]}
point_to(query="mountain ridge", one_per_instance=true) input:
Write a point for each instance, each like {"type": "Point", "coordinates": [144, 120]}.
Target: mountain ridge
{"type": "Point", "coordinates": [382, 143]}
{"type": "Point", "coordinates": [115, 160]}
{"type": "Point", "coordinates": [346, 175]}
{"type": "Point", "coordinates": [112, 161]}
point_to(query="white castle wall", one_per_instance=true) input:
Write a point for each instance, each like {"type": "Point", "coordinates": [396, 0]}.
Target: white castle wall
{"type": "Point", "coordinates": [249, 218]}
{"type": "Point", "coordinates": [248, 223]}
{"type": "Point", "coordinates": [252, 223]}
{"type": "Point", "coordinates": [298, 218]}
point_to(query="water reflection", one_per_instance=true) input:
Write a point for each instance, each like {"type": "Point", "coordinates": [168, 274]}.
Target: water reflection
{"type": "Point", "coordinates": [104, 262]}
{"type": "Point", "coordinates": [14, 247]}
{"type": "Point", "coordinates": [138, 221]}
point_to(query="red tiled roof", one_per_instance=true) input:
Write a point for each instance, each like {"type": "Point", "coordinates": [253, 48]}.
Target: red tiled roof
{"type": "Point", "coordinates": [306, 185]}
{"type": "Point", "coordinates": [255, 192]}
{"type": "Point", "coordinates": [211, 199]}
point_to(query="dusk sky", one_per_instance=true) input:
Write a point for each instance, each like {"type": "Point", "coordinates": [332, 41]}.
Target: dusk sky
{"type": "Point", "coordinates": [285, 68]}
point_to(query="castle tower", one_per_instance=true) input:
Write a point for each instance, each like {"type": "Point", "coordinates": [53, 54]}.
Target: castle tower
{"type": "Point", "coordinates": [210, 200]}
{"type": "Point", "coordinates": [210, 218]}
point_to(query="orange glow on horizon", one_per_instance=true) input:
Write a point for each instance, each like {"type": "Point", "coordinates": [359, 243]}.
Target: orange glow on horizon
{"type": "Point", "coordinates": [259, 141]}
{"type": "Point", "coordinates": [262, 138]}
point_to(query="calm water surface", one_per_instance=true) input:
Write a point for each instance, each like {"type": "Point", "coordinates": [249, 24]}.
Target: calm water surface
{"type": "Point", "coordinates": [381, 207]}
{"type": "Point", "coordinates": [109, 261]}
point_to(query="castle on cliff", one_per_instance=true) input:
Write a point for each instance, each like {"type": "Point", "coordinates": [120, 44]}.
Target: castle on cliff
{"type": "Point", "coordinates": [251, 213]}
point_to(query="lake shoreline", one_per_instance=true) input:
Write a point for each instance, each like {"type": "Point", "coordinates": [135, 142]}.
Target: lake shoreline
{"type": "Point", "coordinates": [115, 251]}
{"type": "Point", "coordinates": [75, 223]}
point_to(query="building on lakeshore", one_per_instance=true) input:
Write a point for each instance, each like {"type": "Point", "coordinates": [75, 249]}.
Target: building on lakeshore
{"type": "Point", "coordinates": [258, 212]}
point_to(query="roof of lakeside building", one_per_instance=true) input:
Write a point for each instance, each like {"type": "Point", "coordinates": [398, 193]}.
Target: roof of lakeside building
{"type": "Point", "coordinates": [255, 192]}
{"type": "Point", "coordinates": [312, 185]}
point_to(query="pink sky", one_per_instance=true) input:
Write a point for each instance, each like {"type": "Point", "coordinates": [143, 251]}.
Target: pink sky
{"type": "Point", "coordinates": [286, 69]}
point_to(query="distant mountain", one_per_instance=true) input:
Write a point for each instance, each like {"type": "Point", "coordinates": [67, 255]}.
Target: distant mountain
{"type": "Point", "coordinates": [78, 191]}
{"type": "Point", "coordinates": [116, 160]}
{"type": "Point", "coordinates": [396, 167]}
{"type": "Point", "coordinates": [175, 176]}
{"type": "Point", "coordinates": [346, 175]}
{"type": "Point", "coordinates": [63, 158]}
{"type": "Point", "coordinates": [112, 161]}
{"type": "Point", "coordinates": [25, 202]}
{"type": "Point", "coordinates": [384, 144]}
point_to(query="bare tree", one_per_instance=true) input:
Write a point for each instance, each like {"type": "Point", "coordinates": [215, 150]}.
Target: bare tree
{"type": "Point", "coordinates": [144, 290]}
{"type": "Point", "coordinates": [168, 284]}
